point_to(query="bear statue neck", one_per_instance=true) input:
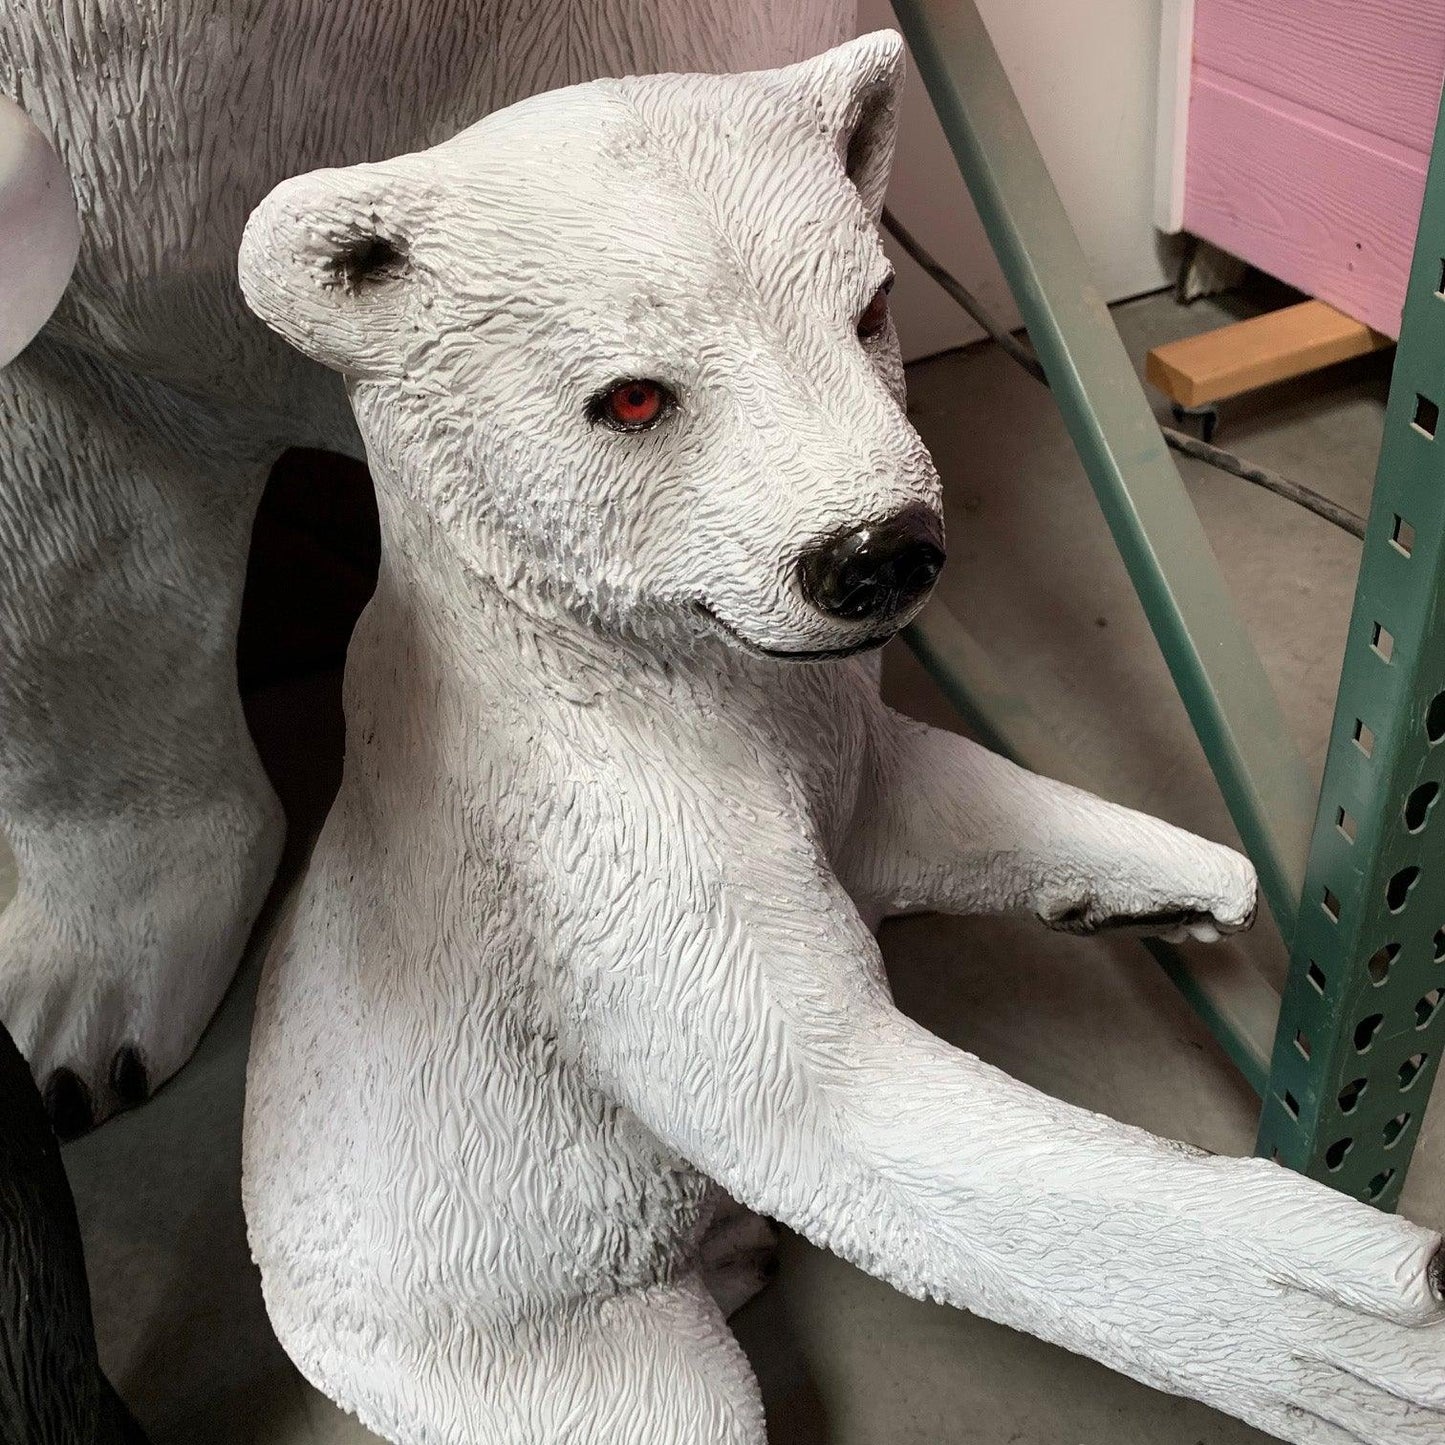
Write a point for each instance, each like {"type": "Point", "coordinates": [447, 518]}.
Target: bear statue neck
{"type": "Point", "coordinates": [442, 624]}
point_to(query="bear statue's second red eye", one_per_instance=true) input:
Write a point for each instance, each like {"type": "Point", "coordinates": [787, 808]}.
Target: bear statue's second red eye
{"type": "Point", "coordinates": [875, 314]}
{"type": "Point", "coordinates": [632, 405]}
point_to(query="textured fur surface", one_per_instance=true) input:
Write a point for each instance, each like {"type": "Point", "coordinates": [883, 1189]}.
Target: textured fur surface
{"type": "Point", "coordinates": [136, 435]}
{"type": "Point", "coordinates": [52, 1391]}
{"type": "Point", "coordinates": [584, 937]}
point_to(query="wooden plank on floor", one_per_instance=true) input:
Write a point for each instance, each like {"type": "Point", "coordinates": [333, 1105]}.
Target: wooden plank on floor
{"type": "Point", "coordinates": [1265, 349]}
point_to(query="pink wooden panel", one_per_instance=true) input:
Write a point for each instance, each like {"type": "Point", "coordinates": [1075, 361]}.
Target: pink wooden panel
{"type": "Point", "coordinates": [1374, 64]}
{"type": "Point", "coordinates": [1303, 198]}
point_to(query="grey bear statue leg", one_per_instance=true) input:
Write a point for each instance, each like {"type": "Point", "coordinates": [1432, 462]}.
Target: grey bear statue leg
{"type": "Point", "coordinates": [144, 829]}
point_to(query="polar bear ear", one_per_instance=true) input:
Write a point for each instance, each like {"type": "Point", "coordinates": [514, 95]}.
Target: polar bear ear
{"type": "Point", "coordinates": [855, 89]}
{"type": "Point", "coordinates": [324, 264]}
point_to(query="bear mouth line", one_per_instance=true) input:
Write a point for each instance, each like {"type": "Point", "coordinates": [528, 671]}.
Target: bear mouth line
{"type": "Point", "coordinates": [825, 654]}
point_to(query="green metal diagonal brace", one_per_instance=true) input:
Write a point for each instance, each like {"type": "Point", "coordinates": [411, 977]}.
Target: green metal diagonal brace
{"type": "Point", "coordinates": [1361, 1030]}
{"type": "Point", "coordinates": [1158, 533]}
{"type": "Point", "coordinates": [1174, 571]}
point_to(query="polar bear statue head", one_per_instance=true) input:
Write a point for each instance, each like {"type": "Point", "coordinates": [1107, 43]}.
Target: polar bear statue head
{"type": "Point", "coordinates": [628, 344]}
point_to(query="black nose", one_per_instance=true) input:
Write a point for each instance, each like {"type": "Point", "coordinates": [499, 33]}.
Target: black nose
{"type": "Point", "coordinates": [877, 571]}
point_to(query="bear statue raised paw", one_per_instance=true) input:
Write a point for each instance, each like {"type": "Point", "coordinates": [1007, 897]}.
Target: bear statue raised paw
{"type": "Point", "coordinates": [582, 943]}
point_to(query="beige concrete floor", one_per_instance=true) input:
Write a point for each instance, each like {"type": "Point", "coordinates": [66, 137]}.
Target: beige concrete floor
{"type": "Point", "coordinates": [843, 1359]}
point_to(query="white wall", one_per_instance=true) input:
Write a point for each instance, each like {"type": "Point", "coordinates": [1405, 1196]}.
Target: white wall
{"type": "Point", "coordinates": [1085, 71]}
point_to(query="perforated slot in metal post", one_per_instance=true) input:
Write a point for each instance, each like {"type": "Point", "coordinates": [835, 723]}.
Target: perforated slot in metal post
{"type": "Point", "coordinates": [1410, 1070]}
{"type": "Point", "coordinates": [1435, 719]}
{"type": "Point", "coordinates": [1427, 415]}
{"type": "Point", "coordinates": [1425, 1008]}
{"type": "Point", "coordinates": [1418, 805]}
{"type": "Point", "coordinates": [1397, 890]}
{"type": "Point", "coordinates": [1316, 977]}
{"type": "Point", "coordinates": [1364, 737]}
{"type": "Point", "coordinates": [1382, 640]}
{"type": "Point", "coordinates": [1365, 1032]}
{"type": "Point", "coordinates": [1331, 905]}
{"type": "Point", "coordinates": [1346, 824]}
{"type": "Point", "coordinates": [1378, 964]}
{"type": "Point", "coordinates": [1403, 536]}
{"type": "Point", "coordinates": [1351, 1095]}
{"type": "Point", "coordinates": [1335, 1154]}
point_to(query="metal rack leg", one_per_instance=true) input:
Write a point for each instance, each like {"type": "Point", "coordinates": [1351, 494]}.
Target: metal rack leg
{"type": "Point", "coordinates": [1361, 1027]}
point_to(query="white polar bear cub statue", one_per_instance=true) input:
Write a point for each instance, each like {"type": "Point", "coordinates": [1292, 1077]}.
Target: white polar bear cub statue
{"type": "Point", "coordinates": [584, 937]}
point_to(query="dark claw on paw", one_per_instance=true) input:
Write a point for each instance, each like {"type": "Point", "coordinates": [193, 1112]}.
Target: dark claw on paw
{"type": "Point", "coordinates": [1154, 922]}
{"type": "Point", "coordinates": [67, 1101]}
{"type": "Point", "coordinates": [128, 1078]}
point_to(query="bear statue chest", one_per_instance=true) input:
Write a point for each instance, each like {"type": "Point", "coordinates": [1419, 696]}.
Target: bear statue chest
{"type": "Point", "coordinates": [764, 736]}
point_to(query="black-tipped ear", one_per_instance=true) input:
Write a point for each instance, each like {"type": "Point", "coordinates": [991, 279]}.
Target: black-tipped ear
{"type": "Point", "coordinates": [326, 261]}
{"type": "Point", "coordinates": [855, 89]}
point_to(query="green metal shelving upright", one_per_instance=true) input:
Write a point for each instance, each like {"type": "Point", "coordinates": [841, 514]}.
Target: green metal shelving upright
{"type": "Point", "coordinates": [1360, 1029]}
{"type": "Point", "coordinates": [1345, 1063]}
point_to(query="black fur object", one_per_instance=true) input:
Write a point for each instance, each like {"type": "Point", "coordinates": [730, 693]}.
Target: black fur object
{"type": "Point", "coordinates": [52, 1391]}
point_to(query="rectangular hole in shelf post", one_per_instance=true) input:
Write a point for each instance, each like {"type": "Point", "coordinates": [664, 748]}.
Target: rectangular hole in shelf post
{"type": "Point", "coordinates": [1364, 737]}
{"type": "Point", "coordinates": [1383, 641]}
{"type": "Point", "coordinates": [1403, 537]}
{"type": "Point", "coordinates": [1440, 289]}
{"type": "Point", "coordinates": [1316, 977]}
{"type": "Point", "coordinates": [1331, 906]}
{"type": "Point", "coordinates": [1302, 1043]}
{"type": "Point", "coordinates": [1292, 1105]}
{"type": "Point", "coordinates": [1346, 824]}
{"type": "Point", "coordinates": [1427, 416]}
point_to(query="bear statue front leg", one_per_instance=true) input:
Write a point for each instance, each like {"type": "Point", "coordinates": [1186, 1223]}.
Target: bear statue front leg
{"type": "Point", "coordinates": [745, 1019]}
{"type": "Point", "coordinates": [945, 825]}
{"type": "Point", "coordinates": [144, 829]}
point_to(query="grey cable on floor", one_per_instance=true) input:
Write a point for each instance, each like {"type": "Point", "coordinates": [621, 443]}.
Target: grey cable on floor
{"type": "Point", "coordinates": [1281, 486]}
{"type": "Point", "coordinates": [1270, 480]}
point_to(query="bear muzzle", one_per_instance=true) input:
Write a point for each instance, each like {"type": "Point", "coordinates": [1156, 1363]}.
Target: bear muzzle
{"type": "Point", "coordinates": [875, 572]}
